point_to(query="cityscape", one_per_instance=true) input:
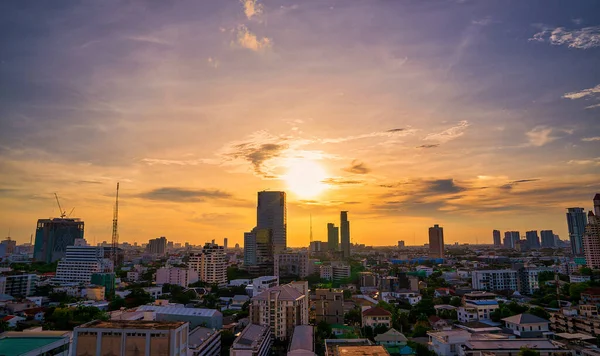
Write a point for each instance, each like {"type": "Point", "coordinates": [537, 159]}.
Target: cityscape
{"type": "Point", "coordinates": [300, 178]}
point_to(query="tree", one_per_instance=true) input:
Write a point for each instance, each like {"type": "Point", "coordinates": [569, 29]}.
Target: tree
{"type": "Point", "coordinates": [539, 312]}
{"type": "Point", "coordinates": [528, 352]}
{"type": "Point", "coordinates": [353, 317]}
{"type": "Point", "coordinates": [575, 290]}
{"type": "Point", "coordinates": [586, 271]}
{"type": "Point", "coordinates": [420, 331]}
{"type": "Point", "coordinates": [324, 330]}
{"type": "Point", "coordinates": [137, 297]}
{"type": "Point", "coordinates": [545, 276]}
{"type": "Point", "coordinates": [227, 338]}
{"type": "Point", "coordinates": [455, 301]}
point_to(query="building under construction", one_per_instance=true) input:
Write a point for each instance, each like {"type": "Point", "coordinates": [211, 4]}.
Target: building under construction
{"type": "Point", "coordinates": [52, 237]}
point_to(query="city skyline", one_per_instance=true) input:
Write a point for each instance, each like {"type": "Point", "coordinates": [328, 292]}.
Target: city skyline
{"type": "Point", "coordinates": [457, 113]}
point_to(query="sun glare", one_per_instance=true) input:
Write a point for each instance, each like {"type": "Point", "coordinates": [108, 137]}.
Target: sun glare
{"type": "Point", "coordinates": [305, 178]}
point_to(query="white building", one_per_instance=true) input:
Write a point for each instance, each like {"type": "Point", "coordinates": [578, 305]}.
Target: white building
{"type": "Point", "coordinates": [477, 306]}
{"type": "Point", "coordinates": [491, 280]}
{"type": "Point", "coordinates": [261, 284]}
{"type": "Point", "coordinates": [335, 271]}
{"type": "Point", "coordinates": [204, 342]}
{"type": "Point", "coordinates": [527, 325]}
{"type": "Point", "coordinates": [133, 276]}
{"type": "Point", "coordinates": [254, 340]}
{"type": "Point", "coordinates": [175, 275]}
{"type": "Point", "coordinates": [448, 343]}
{"type": "Point", "coordinates": [155, 292]}
{"type": "Point", "coordinates": [291, 264]}
{"type": "Point", "coordinates": [80, 262]}
{"type": "Point", "coordinates": [528, 281]}
{"type": "Point", "coordinates": [18, 285]}
{"type": "Point", "coordinates": [210, 264]}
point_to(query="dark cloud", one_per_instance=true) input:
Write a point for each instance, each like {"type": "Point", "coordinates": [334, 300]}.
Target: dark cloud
{"type": "Point", "coordinates": [258, 154]}
{"type": "Point", "coordinates": [341, 181]}
{"type": "Point", "coordinates": [442, 186]}
{"type": "Point", "coordinates": [182, 195]}
{"type": "Point", "coordinates": [429, 146]}
{"type": "Point", "coordinates": [510, 185]}
{"type": "Point", "coordinates": [357, 167]}
{"type": "Point", "coordinates": [396, 130]}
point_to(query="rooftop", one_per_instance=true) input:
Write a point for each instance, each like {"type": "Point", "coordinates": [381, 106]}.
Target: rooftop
{"type": "Point", "coordinates": [510, 344]}
{"type": "Point", "coordinates": [250, 337]}
{"type": "Point", "coordinates": [286, 292]}
{"type": "Point", "coordinates": [391, 335]}
{"type": "Point", "coordinates": [179, 310]}
{"type": "Point", "coordinates": [375, 350]}
{"type": "Point", "coordinates": [374, 311]}
{"type": "Point", "coordinates": [302, 339]}
{"type": "Point", "coordinates": [199, 335]}
{"type": "Point", "coordinates": [525, 319]}
{"type": "Point", "coordinates": [19, 345]}
{"type": "Point", "coordinates": [132, 324]}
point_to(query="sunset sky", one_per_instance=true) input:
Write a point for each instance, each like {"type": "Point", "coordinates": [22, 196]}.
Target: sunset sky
{"type": "Point", "coordinates": [475, 115]}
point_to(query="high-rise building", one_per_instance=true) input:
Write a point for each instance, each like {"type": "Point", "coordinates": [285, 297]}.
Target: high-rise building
{"type": "Point", "coordinates": [333, 237]}
{"type": "Point", "coordinates": [225, 243]}
{"type": "Point", "coordinates": [210, 264]}
{"type": "Point", "coordinates": [157, 246]}
{"type": "Point", "coordinates": [436, 241]}
{"type": "Point", "coordinates": [316, 246]}
{"type": "Point", "coordinates": [52, 237]}
{"type": "Point", "coordinates": [591, 237]}
{"type": "Point", "coordinates": [345, 234]}
{"type": "Point", "coordinates": [80, 263]}
{"type": "Point", "coordinates": [533, 240]}
{"type": "Point", "coordinates": [497, 238]}
{"type": "Point", "coordinates": [547, 238]}
{"type": "Point", "coordinates": [511, 239]}
{"type": "Point", "coordinates": [271, 214]}
{"type": "Point", "coordinates": [258, 251]}
{"type": "Point", "coordinates": [249, 248]}
{"type": "Point", "coordinates": [576, 221]}
{"type": "Point", "coordinates": [175, 275]}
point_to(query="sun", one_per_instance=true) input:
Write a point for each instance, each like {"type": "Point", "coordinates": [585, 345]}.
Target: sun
{"type": "Point", "coordinates": [305, 178]}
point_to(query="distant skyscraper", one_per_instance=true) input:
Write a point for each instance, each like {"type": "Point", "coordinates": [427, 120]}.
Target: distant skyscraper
{"type": "Point", "coordinates": [157, 246]}
{"type": "Point", "coordinates": [591, 237]}
{"type": "Point", "coordinates": [508, 243]}
{"type": "Point", "coordinates": [345, 234]}
{"type": "Point", "coordinates": [547, 238]}
{"type": "Point", "coordinates": [225, 243]}
{"type": "Point", "coordinates": [401, 244]}
{"type": "Point", "coordinates": [52, 237]}
{"type": "Point", "coordinates": [533, 240]}
{"type": "Point", "coordinates": [576, 221]}
{"type": "Point", "coordinates": [333, 237]}
{"type": "Point", "coordinates": [436, 241]}
{"type": "Point", "coordinates": [271, 214]}
{"type": "Point", "coordinates": [249, 248]}
{"type": "Point", "coordinates": [497, 238]}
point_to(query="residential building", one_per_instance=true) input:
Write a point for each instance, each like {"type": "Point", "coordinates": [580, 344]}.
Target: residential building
{"type": "Point", "coordinates": [591, 237]}
{"type": "Point", "coordinates": [303, 341]}
{"type": "Point", "coordinates": [157, 246]}
{"type": "Point", "coordinates": [497, 238]}
{"type": "Point", "coordinates": [329, 306]}
{"type": "Point", "coordinates": [271, 214]}
{"type": "Point", "coordinates": [34, 343]}
{"type": "Point", "coordinates": [576, 222]}
{"type": "Point", "coordinates": [507, 347]}
{"type": "Point", "coordinates": [391, 339]}
{"type": "Point", "coordinates": [528, 280]}
{"type": "Point", "coordinates": [210, 264]}
{"type": "Point", "coordinates": [116, 337]}
{"type": "Point", "coordinates": [155, 292]}
{"type": "Point", "coordinates": [533, 240]}
{"type": "Point", "coordinates": [477, 306]}
{"type": "Point", "coordinates": [204, 342]}
{"type": "Point", "coordinates": [591, 296]}
{"type": "Point", "coordinates": [527, 325]}
{"type": "Point", "coordinates": [335, 271]}
{"type": "Point", "coordinates": [375, 316]}
{"type": "Point", "coordinates": [493, 280]}
{"type": "Point", "coordinates": [52, 236]}
{"type": "Point", "coordinates": [176, 275]}
{"type": "Point", "coordinates": [259, 251]}
{"type": "Point", "coordinates": [80, 262]}
{"type": "Point", "coordinates": [345, 234]}
{"type": "Point", "coordinates": [333, 237]}
{"type": "Point", "coordinates": [281, 308]}
{"type": "Point", "coordinates": [18, 285]}
{"type": "Point", "coordinates": [288, 264]}
{"type": "Point", "coordinates": [436, 242]}
{"type": "Point", "coordinates": [449, 342]}
{"type": "Point", "coordinates": [133, 276]}
{"type": "Point", "coordinates": [254, 340]}
{"type": "Point", "coordinates": [548, 240]}
{"type": "Point", "coordinates": [209, 318]}
{"type": "Point", "coordinates": [367, 279]}
{"type": "Point", "coordinates": [261, 284]}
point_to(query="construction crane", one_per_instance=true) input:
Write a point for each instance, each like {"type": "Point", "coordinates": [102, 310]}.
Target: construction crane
{"type": "Point", "coordinates": [63, 213]}
{"type": "Point", "coordinates": [115, 233]}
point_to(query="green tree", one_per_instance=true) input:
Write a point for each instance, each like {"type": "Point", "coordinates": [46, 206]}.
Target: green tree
{"type": "Point", "coordinates": [586, 271]}
{"type": "Point", "coordinates": [353, 316]}
{"type": "Point", "coordinates": [227, 338]}
{"type": "Point", "coordinates": [545, 276]}
{"type": "Point", "coordinates": [575, 290]}
{"type": "Point", "coordinates": [540, 312]}
{"type": "Point", "coordinates": [528, 352]}
{"type": "Point", "coordinates": [455, 301]}
{"type": "Point", "coordinates": [137, 297]}
{"type": "Point", "coordinates": [116, 304]}
{"type": "Point", "coordinates": [420, 331]}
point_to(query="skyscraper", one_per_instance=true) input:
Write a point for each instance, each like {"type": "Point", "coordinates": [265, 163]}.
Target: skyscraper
{"type": "Point", "coordinates": [271, 214]}
{"type": "Point", "coordinates": [345, 234]}
{"type": "Point", "coordinates": [333, 237]}
{"type": "Point", "coordinates": [225, 243]}
{"type": "Point", "coordinates": [533, 240]}
{"type": "Point", "coordinates": [591, 237]}
{"type": "Point", "coordinates": [511, 239]}
{"type": "Point", "coordinates": [211, 264]}
{"type": "Point", "coordinates": [52, 237]}
{"type": "Point", "coordinates": [547, 238]}
{"type": "Point", "coordinates": [576, 221]}
{"type": "Point", "coordinates": [157, 246]}
{"type": "Point", "coordinates": [497, 238]}
{"type": "Point", "coordinates": [436, 241]}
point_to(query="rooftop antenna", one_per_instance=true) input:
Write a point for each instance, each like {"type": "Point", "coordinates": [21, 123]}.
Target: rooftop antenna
{"type": "Point", "coordinates": [115, 233]}
{"type": "Point", "coordinates": [63, 213]}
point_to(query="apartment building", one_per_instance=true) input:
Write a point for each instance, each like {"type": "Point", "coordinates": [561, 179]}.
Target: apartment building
{"type": "Point", "coordinates": [18, 284]}
{"type": "Point", "coordinates": [329, 306]}
{"type": "Point", "coordinates": [254, 340]}
{"type": "Point", "coordinates": [583, 320]}
{"type": "Point", "coordinates": [288, 264]}
{"type": "Point", "coordinates": [261, 284]}
{"type": "Point", "coordinates": [176, 275]}
{"type": "Point", "coordinates": [210, 264]}
{"type": "Point", "coordinates": [335, 271]}
{"type": "Point", "coordinates": [493, 280]}
{"type": "Point", "coordinates": [448, 343]}
{"type": "Point", "coordinates": [204, 342]}
{"type": "Point", "coordinates": [477, 306]}
{"type": "Point", "coordinates": [80, 262]}
{"type": "Point", "coordinates": [375, 316]}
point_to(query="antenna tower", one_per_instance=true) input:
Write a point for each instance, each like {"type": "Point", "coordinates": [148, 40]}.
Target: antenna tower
{"type": "Point", "coordinates": [115, 233]}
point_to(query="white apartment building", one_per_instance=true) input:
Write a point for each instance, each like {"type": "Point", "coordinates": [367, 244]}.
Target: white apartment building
{"type": "Point", "coordinates": [281, 308]}
{"type": "Point", "coordinates": [291, 264]}
{"type": "Point", "coordinates": [477, 306]}
{"type": "Point", "coordinates": [491, 280]}
{"type": "Point", "coordinates": [335, 271]}
{"type": "Point", "coordinates": [448, 343]}
{"type": "Point", "coordinates": [80, 262]}
{"type": "Point", "coordinates": [175, 275]}
{"type": "Point", "coordinates": [254, 340]}
{"type": "Point", "coordinates": [210, 264]}
{"type": "Point", "coordinates": [261, 284]}
{"type": "Point", "coordinates": [528, 279]}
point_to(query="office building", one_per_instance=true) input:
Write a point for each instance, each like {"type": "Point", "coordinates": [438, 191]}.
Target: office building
{"type": "Point", "coordinates": [271, 214]}
{"type": "Point", "coordinates": [497, 238]}
{"type": "Point", "coordinates": [176, 275]}
{"type": "Point", "coordinates": [533, 240]}
{"type": "Point", "coordinates": [316, 247]}
{"type": "Point", "coordinates": [329, 306]}
{"type": "Point", "coordinates": [157, 246]}
{"type": "Point", "coordinates": [258, 251]}
{"type": "Point", "coordinates": [281, 308]}
{"type": "Point", "coordinates": [511, 239]}
{"type": "Point", "coordinates": [261, 284]}
{"type": "Point", "coordinates": [591, 237]}
{"type": "Point", "coordinates": [80, 262]}
{"type": "Point", "coordinates": [52, 236]}
{"type": "Point", "coordinates": [493, 280]}
{"type": "Point", "coordinates": [18, 285]}
{"type": "Point", "coordinates": [127, 337]}
{"type": "Point", "coordinates": [345, 234]}
{"type": "Point", "coordinates": [333, 237]}
{"type": "Point", "coordinates": [249, 248]}
{"type": "Point", "coordinates": [211, 264]}
{"type": "Point", "coordinates": [209, 318]}
{"type": "Point", "coordinates": [290, 264]}
{"type": "Point", "coordinates": [436, 242]}
{"type": "Point", "coordinates": [548, 240]}
{"type": "Point", "coordinates": [204, 342]}
{"type": "Point", "coordinates": [254, 340]}
{"type": "Point", "coordinates": [225, 243]}
{"type": "Point", "coordinates": [34, 343]}
{"type": "Point", "coordinates": [576, 222]}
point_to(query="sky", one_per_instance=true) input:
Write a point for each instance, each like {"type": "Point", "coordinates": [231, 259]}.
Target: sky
{"type": "Point", "coordinates": [474, 115]}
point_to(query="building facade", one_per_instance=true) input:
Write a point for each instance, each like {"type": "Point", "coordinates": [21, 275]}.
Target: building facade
{"type": "Point", "coordinates": [329, 306]}
{"type": "Point", "coordinates": [591, 237]}
{"type": "Point", "coordinates": [157, 246]}
{"type": "Point", "coordinates": [18, 285]}
{"type": "Point", "coordinates": [271, 214]}
{"type": "Point", "coordinates": [333, 237]}
{"type": "Point", "coordinates": [289, 264]}
{"type": "Point", "coordinates": [493, 280]}
{"type": "Point", "coordinates": [436, 242]}
{"type": "Point", "coordinates": [52, 236]}
{"type": "Point", "coordinates": [210, 264]}
{"type": "Point", "coordinates": [204, 342]}
{"type": "Point", "coordinates": [345, 234]}
{"type": "Point", "coordinates": [80, 262]}
{"type": "Point", "coordinates": [576, 222]}
{"type": "Point", "coordinates": [175, 275]}
{"type": "Point", "coordinates": [497, 238]}
{"type": "Point", "coordinates": [533, 240]}
{"type": "Point", "coordinates": [548, 240]}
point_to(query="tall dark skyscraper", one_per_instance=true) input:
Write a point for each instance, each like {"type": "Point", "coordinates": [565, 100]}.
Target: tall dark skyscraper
{"type": "Point", "coordinates": [271, 214]}
{"type": "Point", "coordinates": [533, 240]}
{"type": "Point", "coordinates": [547, 238]}
{"type": "Point", "coordinates": [52, 237]}
{"type": "Point", "coordinates": [333, 237]}
{"type": "Point", "coordinates": [436, 241]}
{"type": "Point", "coordinates": [345, 234]}
{"type": "Point", "coordinates": [576, 221]}
{"type": "Point", "coordinates": [511, 239]}
{"type": "Point", "coordinates": [497, 238]}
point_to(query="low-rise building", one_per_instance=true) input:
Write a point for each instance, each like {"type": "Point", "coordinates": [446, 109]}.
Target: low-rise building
{"type": "Point", "coordinates": [175, 275]}
{"type": "Point", "coordinates": [18, 284]}
{"type": "Point", "coordinates": [448, 343]}
{"type": "Point", "coordinates": [508, 347]}
{"type": "Point", "coordinates": [261, 284]}
{"type": "Point", "coordinates": [303, 341]}
{"type": "Point", "coordinates": [591, 296]}
{"type": "Point", "coordinates": [204, 342]}
{"type": "Point", "coordinates": [329, 306]}
{"type": "Point", "coordinates": [95, 293]}
{"type": "Point", "coordinates": [477, 306]}
{"type": "Point", "coordinates": [210, 318]}
{"type": "Point", "coordinates": [35, 343]}
{"type": "Point", "coordinates": [335, 271]}
{"type": "Point", "coordinates": [391, 340]}
{"type": "Point", "coordinates": [495, 280]}
{"type": "Point", "coordinates": [527, 325]}
{"type": "Point", "coordinates": [254, 340]}
{"type": "Point", "coordinates": [375, 316]}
